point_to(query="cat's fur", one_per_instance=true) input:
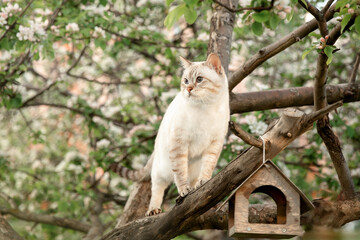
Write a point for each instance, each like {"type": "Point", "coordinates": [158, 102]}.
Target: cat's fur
{"type": "Point", "coordinates": [191, 134]}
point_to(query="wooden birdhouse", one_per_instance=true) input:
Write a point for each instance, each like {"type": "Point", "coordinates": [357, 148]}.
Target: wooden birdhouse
{"type": "Point", "coordinates": [290, 202]}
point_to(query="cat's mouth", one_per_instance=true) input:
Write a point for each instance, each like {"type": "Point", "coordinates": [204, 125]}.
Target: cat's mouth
{"type": "Point", "coordinates": [188, 94]}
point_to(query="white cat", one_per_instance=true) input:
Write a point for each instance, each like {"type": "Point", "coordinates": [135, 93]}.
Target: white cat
{"type": "Point", "coordinates": [191, 134]}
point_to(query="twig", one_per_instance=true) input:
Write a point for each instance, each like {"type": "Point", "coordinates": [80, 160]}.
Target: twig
{"type": "Point", "coordinates": [245, 8]}
{"type": "Point", "coordinates": [327, 6]}
{"type": "Point", "coordinates": [118, 122]}
{"type": "Point", "coordinates": [44, 89]}
{"type": "Point", "coordinates": [77, 60]}
{"type": "Point", "coordinates": [355, 69]}
{"type": "Point", "coordinates": [246, 137]}
{"type": "Point", "coordinates": [54, 15]}
{"type": "Point", "coordinates": [311, 9]}
{"type": "Point", "coordinates": [314, 116]}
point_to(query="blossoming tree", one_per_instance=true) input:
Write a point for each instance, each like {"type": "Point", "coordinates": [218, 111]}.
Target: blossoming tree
{"type": "Point", "coordinates": [84, 83]}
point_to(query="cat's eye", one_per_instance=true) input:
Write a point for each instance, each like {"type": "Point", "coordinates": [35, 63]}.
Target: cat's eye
{"type": "Point", "coordinates": [186, 81]}
{"type": "Point", "coordinates": [199, 79]}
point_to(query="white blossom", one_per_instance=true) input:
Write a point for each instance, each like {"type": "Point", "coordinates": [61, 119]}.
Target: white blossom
{"type": "Point", "coordinates": [99, 32]}
{"type": "Point", "coordinates": [55, 29]}
{"type": "Point", "coordinates": [103, 143]}
{"type": "Point", "coordinates": [35, 32]}
{"type": "Point", "coordinates": [2, 20]}
{"type": "Point", "coordinates": [255, 126]}
{"type": "Point", "coordinates": [72, 27]}
{"type": "Point", "coordinates": [7, 12]}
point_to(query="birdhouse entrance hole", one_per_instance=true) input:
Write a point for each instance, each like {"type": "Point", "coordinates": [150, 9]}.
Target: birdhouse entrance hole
{"type": "Point", "coordinates": [269, 195]}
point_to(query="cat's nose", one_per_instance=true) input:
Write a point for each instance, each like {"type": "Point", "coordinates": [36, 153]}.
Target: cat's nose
{"type": "Point", "coordinates": [189, 88]}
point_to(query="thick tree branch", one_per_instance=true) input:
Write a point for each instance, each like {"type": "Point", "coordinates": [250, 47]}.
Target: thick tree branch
{"type": "Point", "coordinates": [291, 97]}
{"type": "Point", "coordinates": [267, 52]}
{"type": "Point", "coordinates": [47, 219]}
{"type": "Point", "coordinates": [180, 218]}
{"type": "Point", "coordinates": [7, 232]}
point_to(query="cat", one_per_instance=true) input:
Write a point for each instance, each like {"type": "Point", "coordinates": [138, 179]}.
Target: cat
{"type": "Point", "coordinates": [191, 134]}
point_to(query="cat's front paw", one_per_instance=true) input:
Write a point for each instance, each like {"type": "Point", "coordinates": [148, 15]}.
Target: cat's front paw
{"type": "Point", "coordinates": [200, 182]}
{"type": "Point", "coordinates": [152, 212]}
{"type": "Point", "coordinates": [184, 190]}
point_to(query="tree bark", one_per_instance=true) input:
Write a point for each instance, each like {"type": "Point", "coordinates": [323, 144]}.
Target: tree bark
{"type": "Point", "coordinates": [181, 217]}
{"type": "Point", "coordinates": [324, 129]}
{"type": "Point", "coordinates": [221, 29]}
{"type": "Point", "coordinates": [291, 97]}
{"type": "Point", "coordinates": [136, 204]}
{"type": "Point", "coordinates": [7, 232]}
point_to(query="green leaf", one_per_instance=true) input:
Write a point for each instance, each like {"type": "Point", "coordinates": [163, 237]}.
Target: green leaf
{"type": "Point", "coordinates": [307, 51]}
{"type": "Point", "coordinates": [174, 15]}
{"type": "Point", "coordinates": [262, 16]}
{"type": "Point", "coordinates": [305, 3]}
{"type": "Point", "coordinates": [290, 15]}
{"type": "Point", "coordinates": [357, 24]}
{"type": "Point", "coordinates": [190, 15]}
{"type": "Point", "coordinates": [315, 35]}
{"type": "Point", "coordinates": [103, 2]}
{"type": "Point", "coordinates": [341, 4]}
{"type": "Point", "coordinates": [169, 2]}
{"type": "Point", "coordinates": [274, 21]}
{"type": "Point", "coordinates": [328, 50]}
{"type": "Point", "coordinates": [257, 28]}
{"type": "Point", "coordinates": [345, 21]}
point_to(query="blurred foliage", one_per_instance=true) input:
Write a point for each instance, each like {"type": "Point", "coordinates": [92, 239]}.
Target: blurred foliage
{"type": "Point", "coordinates": [84, 83]}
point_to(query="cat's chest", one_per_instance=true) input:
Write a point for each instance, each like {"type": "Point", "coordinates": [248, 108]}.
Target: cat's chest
{"type": "Point", "coordinates": [201, 128]}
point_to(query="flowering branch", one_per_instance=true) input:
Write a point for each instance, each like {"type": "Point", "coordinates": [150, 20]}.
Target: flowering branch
{"type": "Point", "coordinates": [15, 22]}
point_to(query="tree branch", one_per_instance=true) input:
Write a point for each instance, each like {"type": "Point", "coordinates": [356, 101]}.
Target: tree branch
{"type": "Point", "coordinates": [246, 137]}
{"type": "Point", "coordinates": [7, 232]}
{"type": "Point", "coordinates": [47, 219]}
{"type": "Point", "coordinates": [181, 217]}
{"type": "Point", "coordinates": [329, 138]}
{"type": "Point", "coordinates": [12, 26]}
{"type": "Point", "coordinates": [221, 29]}
{"type": "Point", "coordinates": [291, 97]}
{"type": "Point", "coordinates": [39, 93]}
{"type": "Point", "coordinates": [355, 69]}
{"type": "Point", "coordinates": [271, 50]}
{"type": "Point", "coordinates": [118, 122]}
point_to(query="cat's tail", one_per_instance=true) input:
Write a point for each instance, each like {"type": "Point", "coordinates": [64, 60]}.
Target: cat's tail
{"type": "Point", "coordinates": [139, 175]}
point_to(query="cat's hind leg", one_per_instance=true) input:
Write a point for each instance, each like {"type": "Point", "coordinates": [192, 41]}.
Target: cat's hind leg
{"type": "Point", "coordinates": [158, 187]}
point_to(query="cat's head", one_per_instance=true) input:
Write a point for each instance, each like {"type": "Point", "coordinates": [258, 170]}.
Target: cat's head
{"type": "Point", "coordinates": [203, 82]}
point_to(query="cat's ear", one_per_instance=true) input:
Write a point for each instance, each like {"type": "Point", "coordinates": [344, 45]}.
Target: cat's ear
{"type": "Point", "coordinates": [214, 62]}
{"type": "Point", "coordinates": [185, 63]}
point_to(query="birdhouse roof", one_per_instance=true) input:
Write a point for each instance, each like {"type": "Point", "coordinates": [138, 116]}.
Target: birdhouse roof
{"type": "Point", "coordinates": [305, 204]}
